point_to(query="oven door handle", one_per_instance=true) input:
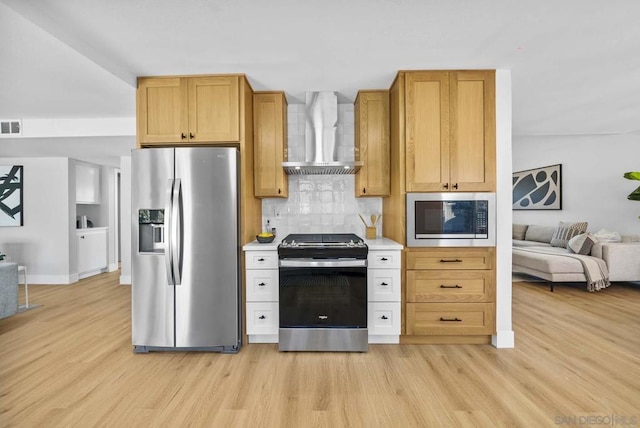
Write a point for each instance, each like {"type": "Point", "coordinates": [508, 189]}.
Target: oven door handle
{"type": "Point", "coordinates": [314, 263]}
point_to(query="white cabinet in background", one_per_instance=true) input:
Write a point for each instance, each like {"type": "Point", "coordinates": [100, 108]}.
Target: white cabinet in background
{"type": "Point", "coordinates": [92, 251]}
{"type": "Point", "coordinates": [87, 183]}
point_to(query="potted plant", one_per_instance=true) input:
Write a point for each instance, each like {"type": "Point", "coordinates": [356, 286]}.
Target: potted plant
{"type": "Point", "coordinates": [635, 195]}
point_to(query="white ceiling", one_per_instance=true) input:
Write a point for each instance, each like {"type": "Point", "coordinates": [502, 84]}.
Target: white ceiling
{"type": "Point", "coordinates": [575, 63]}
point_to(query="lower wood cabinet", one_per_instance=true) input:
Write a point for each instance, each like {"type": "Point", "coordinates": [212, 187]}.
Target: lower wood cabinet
{"type": "Point", "coordinates": [450, 294]}
{"type": "Point", "coordinates": [450, 318]}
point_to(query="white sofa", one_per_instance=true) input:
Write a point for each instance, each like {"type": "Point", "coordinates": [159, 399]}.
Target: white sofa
{"type": "Point", "coordinates": [622, 259]}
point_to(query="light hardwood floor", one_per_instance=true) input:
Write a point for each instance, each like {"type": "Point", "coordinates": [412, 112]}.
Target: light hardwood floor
{"type": "Point", "coordinates": [70, 363]}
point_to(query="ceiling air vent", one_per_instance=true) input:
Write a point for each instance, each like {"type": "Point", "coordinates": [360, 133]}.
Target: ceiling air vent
{"type": "Point", "coordinates": [10, 128]}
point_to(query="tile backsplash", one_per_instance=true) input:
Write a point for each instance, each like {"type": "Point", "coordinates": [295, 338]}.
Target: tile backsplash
{"type": "Point", "coordinates": [321, 203]}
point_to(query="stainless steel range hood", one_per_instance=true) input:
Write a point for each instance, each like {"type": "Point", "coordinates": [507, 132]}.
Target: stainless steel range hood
{"type": "Point", "coordinates": [320, 139]}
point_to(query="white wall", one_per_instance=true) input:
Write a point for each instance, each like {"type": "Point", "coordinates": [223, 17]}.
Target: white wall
{"type": "Point", "coordinates": [504, 337]}
{"type": "Point", "coordinates": [42, 244]}
{"type": "Point", "coordinates": [593, 188]}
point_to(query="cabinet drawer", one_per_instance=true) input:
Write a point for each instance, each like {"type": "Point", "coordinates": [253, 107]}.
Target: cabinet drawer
{"type": "Point", "coordinates": [450, 286]}
{"type": "Point", "coordinates": [261, 259]}
{"type": "Point", "coordinates": [262, 318]}
{"type": "Point", "coordinates": [431, 319]}
{"type": "Point", "coordinates": [383, 259]}
{"type": "Point", "coordinates": [451, 258]}
{"type": "Point", "coordinates": [262, 285]}
{"type": "Point", "coordinates": [383, 285]}
{"type": "Point", "coordinates": [383, 318]}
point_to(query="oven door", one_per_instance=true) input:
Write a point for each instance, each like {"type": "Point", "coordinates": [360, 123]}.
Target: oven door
{"type": "Point", "coordinates": [323, 293]}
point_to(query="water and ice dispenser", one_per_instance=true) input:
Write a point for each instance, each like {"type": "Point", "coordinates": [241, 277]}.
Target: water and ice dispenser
{"type": "Point", "coordinates": [151, 231]}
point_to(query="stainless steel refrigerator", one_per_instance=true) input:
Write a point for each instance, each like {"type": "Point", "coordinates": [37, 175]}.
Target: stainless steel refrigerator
{"type": "Point", "coordinates": [186, 249]}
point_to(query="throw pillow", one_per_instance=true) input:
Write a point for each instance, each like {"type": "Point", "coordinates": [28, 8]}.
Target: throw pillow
{"type": "Point", "coordinates": [603, 235]}
{"type": "Point", "coordinates": [519, 231]}
{"type": "Point", "coordinates": [567, 231]}
{"type": "Point", "coordinates": [581, 244]}
{"type": "Point", "coordinates": [539, 233]}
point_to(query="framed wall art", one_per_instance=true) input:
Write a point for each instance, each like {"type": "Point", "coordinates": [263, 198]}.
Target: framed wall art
{"type": "Point", "coordinates": [11, 207]}
{"type": "Point", "coordinates": [538, 189]}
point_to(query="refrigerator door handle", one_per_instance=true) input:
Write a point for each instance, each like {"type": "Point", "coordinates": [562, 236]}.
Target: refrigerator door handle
{"type": "Point", "coordinates": [168, 224]}
{"type": "Point", "coordinates": [176, 239]}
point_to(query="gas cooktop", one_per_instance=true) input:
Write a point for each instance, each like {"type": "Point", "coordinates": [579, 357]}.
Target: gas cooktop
{"type": "Point", "coordinates": [322, 245]}
{"type": "Point", "coordinates": [322, 240]}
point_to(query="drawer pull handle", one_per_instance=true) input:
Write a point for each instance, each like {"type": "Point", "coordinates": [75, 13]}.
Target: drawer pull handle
{"type": "Point", "coordinates": [262, 317]}
{"type": "Point", "coordinates": [384, 259]}
{"type": "Point", "coordinates": [450, 286]}
{"type": "Point", "coordinates": [456, 319]}
{"type": "Point", "coordinates": [450, 261]}
{"type": "Point", "coordinates": [262, 284]}
{"type": "Point", "coordinates": [260, 259]}
{"type": "Point", "coordinates": [384, 317]}
{"type": "Point", "coordinates": [384, 283]}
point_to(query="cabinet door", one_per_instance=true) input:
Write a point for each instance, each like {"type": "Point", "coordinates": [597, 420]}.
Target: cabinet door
{"type": "Point", "coordinates": [87, 184]}
{"type": "Point", "coordinates": [214, 109]}
{"type": "Point", "coordinates": [372, 143]}
{"type": "Point", "coordinates": [270, 144]}
{"type": "Point", "coordinates": [473, 134]}
{"type": "Point", "coordinates": [161, 110]}
{"type": "Point", "coordinates": [427, 131]}
{"type": "Point", "coordinates": [92, 251]}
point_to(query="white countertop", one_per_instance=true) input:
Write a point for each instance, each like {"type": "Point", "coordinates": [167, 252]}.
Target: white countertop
{"type": "Point", "coordinates": [373, 244]}
{"type": "Point", "coordinates": [383, 244]}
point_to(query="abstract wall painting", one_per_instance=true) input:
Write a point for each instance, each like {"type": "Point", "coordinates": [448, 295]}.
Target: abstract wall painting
{"type": "Point", "coordinates": [538, 189]}
{"type": "Point", "coordinates": [11, 207]}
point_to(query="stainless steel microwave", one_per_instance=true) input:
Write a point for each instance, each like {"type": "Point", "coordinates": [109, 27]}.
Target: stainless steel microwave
{"type": "Point", "coordinates": [451, 219]}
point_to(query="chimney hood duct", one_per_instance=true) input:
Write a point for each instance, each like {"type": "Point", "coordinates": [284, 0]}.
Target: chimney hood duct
{"type": "Point", "coordinates": [320, 139]}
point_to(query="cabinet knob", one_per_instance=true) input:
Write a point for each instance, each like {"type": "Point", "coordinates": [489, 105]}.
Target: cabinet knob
{"type": "Point", "coordinates": [450, 286]}
{"type": "Point", "coordinates": [384, 259]}
{"type": "Point", "coordinates": [450, 261]}
{"type": "Point", "coordinates": [82, 237]}
{"type": "Point", "coordinates": [262, 317]}
{"type": "Point", "coordinates": [455, 186]}
{"type": "Point", "coordinates": [262, 284]}
{"type": "Point", "coordinates": [183, 136]}
{"type": "Point", "coordinates": [279, 191]}
{"type": "Point", "coordinates": [191, 135]}
{"type": "Point", "coordinates": [446, 185]}
{"type": "Point", "coordinates": [384, 283]}
{"type": "Point", "coordinates": [456, 319]}
{"type": "Point", "coordinates": [384, 317]}
{"type": "Point", "coordinates": [364, 190]}
{"type": "Point", "coordinates": [260, 259]}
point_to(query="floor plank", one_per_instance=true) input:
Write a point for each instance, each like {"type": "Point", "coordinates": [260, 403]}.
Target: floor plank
{"type": "Point", "coordinates": [70, 363]}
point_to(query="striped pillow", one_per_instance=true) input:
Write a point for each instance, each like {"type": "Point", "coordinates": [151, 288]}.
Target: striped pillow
{"type": "Point", "coordinates": [566, 231]}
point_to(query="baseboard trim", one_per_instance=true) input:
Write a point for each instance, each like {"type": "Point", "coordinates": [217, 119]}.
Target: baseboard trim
{"type": "Point", "coordinates": [112, 267]}
{"type": "Point", "coordinates": [125, 279]}
{"type": "Point", "coordinates": [445, 340]}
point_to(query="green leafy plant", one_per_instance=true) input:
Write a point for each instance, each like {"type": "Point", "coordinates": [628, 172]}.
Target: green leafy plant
{"type": "Point", "coordinates": [635, 195]}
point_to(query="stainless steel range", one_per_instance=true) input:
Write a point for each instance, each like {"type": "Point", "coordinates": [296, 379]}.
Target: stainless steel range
{"type": "Point", "coordinates": [323, 293]}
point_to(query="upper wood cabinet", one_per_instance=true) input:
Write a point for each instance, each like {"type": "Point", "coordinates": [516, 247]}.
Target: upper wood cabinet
{"type": "Point", "coordinates": [372, 143]}
{"type": "Point", "coordinates": [188, 110]}
{"type": "Point", "coordinates": [270, 144]}
{"type": "Point", "coordinates": [450, 130]}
